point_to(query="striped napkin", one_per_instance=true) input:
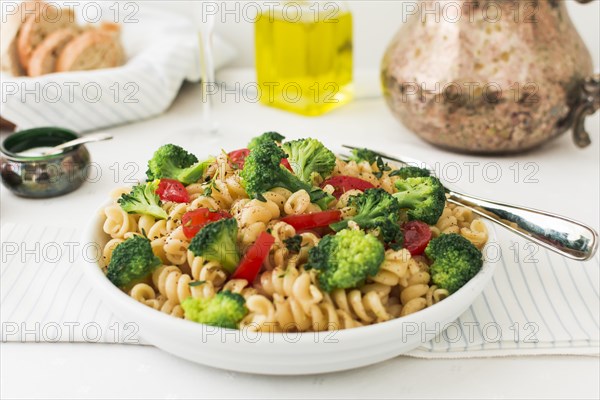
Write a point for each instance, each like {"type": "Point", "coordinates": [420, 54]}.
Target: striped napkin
{"type": "Point", "coordinates": [163, 50]}
{"type": "Point", "coordinates": [537, 302]}
{"type": "Point", "coordinates": [44, 296]}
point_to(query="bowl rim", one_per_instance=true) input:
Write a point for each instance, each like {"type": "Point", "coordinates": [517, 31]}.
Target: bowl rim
{"type": "Point", "coordinates": [46, 131]}
{"type": "Point", "coordinates": [98, 279]}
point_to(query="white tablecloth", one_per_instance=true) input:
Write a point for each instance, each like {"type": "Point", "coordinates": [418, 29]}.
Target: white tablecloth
{"type": "Point", "coordinates": [558, 177]}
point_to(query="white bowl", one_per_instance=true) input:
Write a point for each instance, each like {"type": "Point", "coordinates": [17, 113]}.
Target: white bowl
{"type": "Point", "coordinates": [282, 353]}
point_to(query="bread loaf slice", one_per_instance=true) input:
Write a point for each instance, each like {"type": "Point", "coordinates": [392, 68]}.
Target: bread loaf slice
{"type": "Point", "coordinates": [38, 25]}
{"type": "Point", "coordinates": [9, 30]}
{"type": "Point", "coordinates": [93, 49]}
{"type": "Point", "coordinates": [43, 59]}
{"type": "Point", "coordinates": [10, 61]}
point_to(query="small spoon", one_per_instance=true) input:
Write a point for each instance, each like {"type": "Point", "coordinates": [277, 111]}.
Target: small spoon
{"type": "Point", "coordinates": [96, 137]}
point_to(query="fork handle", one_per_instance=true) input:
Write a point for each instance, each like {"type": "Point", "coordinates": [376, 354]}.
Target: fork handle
{"type": "Point", "coordinates": [557, 233]}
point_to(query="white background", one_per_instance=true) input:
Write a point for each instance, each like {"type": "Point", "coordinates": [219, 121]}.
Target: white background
{"type": "Point", "coordinates": [119, 371]}
{"type": "Point", "coordinates": [376, 22]}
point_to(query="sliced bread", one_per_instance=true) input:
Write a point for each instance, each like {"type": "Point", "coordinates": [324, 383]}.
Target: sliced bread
{"type": "Point", "coordinates": [38, 25]}
{"type": "Point", "coordinates": [9, 30]}
{"type": "Point", "coordinates": [43, 59]}
{"type": "Point", "coordinates": [93, 49]}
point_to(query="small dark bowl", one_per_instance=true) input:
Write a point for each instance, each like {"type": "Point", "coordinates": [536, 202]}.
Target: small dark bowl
{"type": "Point", "coordinates": [42, 176]}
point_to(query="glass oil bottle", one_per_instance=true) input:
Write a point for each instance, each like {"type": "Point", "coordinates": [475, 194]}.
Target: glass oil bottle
{"type": "Point", "coordinates": [304, 56]}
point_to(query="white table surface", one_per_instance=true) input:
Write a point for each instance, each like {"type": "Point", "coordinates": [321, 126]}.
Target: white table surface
{"type": "Point", "coordinates": [567, 183]}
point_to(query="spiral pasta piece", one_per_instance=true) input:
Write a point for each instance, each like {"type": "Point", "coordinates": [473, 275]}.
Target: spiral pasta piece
{"type": "Point", "coordinates": [395, 267]}
{"type": "Point", "coordinates": [118, 222]}
{"type": "Point", "coordinates": [145, 294]}
{"type": "Point", "coordinates": [279, 196]}
{"type": "Point", "coordinates": [170, 307]}
{"type": "Point", "coordinates": [290, 282]}
{"type": "Point", "coordinates": [253, 217]}
{"type": "Point", "coordinates": [202, 201]}
{"type": "Point", "coordinates": [175, 285]}
{"type": "Point", "coordinates": [254, 210]}
{"type": "Point", "coordinates": [167, 280]}
{"type": "Point", "coordinates": [226, 191]}
{"type": "Point", "coordinates": [261, 315]}
{"type": "Point", "coordinates": [204, 270]}
{"type": "Point", "coordinates": [281, 231]}
{"type": "Point", "coordinates": [290, 314]}
{"type": "Point", "coordinates": [176, 245]}
{"type": "Point", "coordinates": [175, 212]}
{"type": "Point", "coordinates": [388, 183]}
{"type": "Point", "coordinates": [435, 295]}
{"type": "Point", "coordinates": [367, 308]}
{"type": "Point", "coordinates": [295, 297]}
{"type": "Point", "coordinates": [279, 253]}
{"type": "Point", "coordinates": [297, 203]}
{"type": "Point", "coordinates": [446, 224]}
{"type": "Point", "coordinates": [393, 307]}
{"type": "Point", "coordinates": [332, 318]}
{"type": "Point", "coordinates": [250, 233]}
{"type": "Point", "coordinates": [157, 230]}
{"type": "Point", "coordinates": [413, 295]}
{"type": "Point", "coordinates": [476, 233]}
{"type": "Point", "coordinates": [145, 224]}
{"type": "Point", "coordinates": [463, 215]}
{"type": "Point", "coordinates": [158, 248]}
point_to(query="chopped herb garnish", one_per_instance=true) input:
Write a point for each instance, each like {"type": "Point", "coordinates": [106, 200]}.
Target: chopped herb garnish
{"type": "Point", "coordinates": [294, 243]}
{"type": "Point", "coordinates": [382, 166]}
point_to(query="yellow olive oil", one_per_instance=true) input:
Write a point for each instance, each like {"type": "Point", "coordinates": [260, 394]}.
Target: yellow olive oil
{"type": "Point", "coordinates": [304, 57]}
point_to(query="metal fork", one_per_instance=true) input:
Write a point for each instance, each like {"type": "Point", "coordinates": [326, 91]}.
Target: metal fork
{"type": "Point", "coordinates": [560, 234]}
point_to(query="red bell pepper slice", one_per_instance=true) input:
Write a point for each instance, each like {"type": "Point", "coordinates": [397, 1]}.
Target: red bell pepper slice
{"type": "Point", "coordinates": [249, 267]}
{"type": "Point", "coordinates": [286, 163]}
{"type": "Point", "coordinates": [193, 221]}
{"type": "Point", "coordinates": [344, 183]}
{"type": "Point", "coordinates": [314, 220]}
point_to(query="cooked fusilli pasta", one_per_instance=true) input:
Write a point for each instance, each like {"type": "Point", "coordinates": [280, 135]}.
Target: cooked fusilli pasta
{"type": "Point", "coordinates": [286, 295]}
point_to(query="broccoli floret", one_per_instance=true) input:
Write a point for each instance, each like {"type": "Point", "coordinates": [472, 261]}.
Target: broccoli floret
{"type": "Point", "coordinates": [344, 260]}
{"type": "Point", "coordinates": [376, 209]}
{"type": "Point", "coordinates": [308, 157]}
{"type": "Point", "coordinates": [424, 197]}
{"type": "Point", "coordinates": [225, 309]}
{"type": "Point", "coordinates": [265, 137]}
{"type": "Point", "coordinates": [131, 261]}
{"type": "Point", "coordinates": [217, 242]}
{"type": "Point", "coordinates": [143, 200]}
{"type": "Point", "coordinates": [367, 155]}
{"type": "Point", "coordinates": [262, 171]}
{"type": "Point", "coordinates": [410, 172]}
{"type": "Point", "coordinates": [173, 162]}
{"type": "Point", "coordinates": [455, 261]}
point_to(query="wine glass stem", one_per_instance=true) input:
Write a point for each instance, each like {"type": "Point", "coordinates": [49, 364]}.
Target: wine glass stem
{"type": "Point", "coordinates": [208, 73]}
